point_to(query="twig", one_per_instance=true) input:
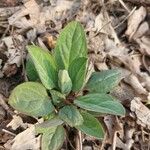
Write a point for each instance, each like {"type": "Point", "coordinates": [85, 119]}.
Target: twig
{"type": "Point", "coordinates": [103, 142]}
{"type": "Point", "coordinates": [125, 18]}
{"type": "Point", "coordinates": [124, 5]}
{"type": "Point", "coordinates": [6, 131]}
{"type": "Point", "coordinates": [107, 23]}
{"type": "Point", "coordinates": [79, 140]}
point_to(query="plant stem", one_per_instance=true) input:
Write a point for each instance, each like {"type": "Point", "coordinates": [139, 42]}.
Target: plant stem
{"type": "Point", "coordinates": [79, 140]}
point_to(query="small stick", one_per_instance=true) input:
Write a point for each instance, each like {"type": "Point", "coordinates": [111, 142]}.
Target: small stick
{"type": "Point", "coordinates": [80, 140]}
{"type": "Point", "coordinates": [124, 5]}
{"type": "Point", "coordinates": [125, 18]}
{"type": "Point", "coordinates": [6, 131]}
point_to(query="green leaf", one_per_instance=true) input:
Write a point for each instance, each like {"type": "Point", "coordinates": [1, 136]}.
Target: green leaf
{"type": "Point", "coordinates": [64, 81]}
{"type": "Point", "coordinates": [31, 71]}
{"type": "Point", "coordinates": [45, 66]}
{"type": "Point", "coordinates": [31, 99]}
{"type": "Point", "coordinates": [71, 115]}
{"type": "Point", "coordinates": [96, 114]}
{"type": "Point", "coordinates": [57, 97]}
{"type": "Point", "coordinates": [102, 103]}
{"type": "Point", "coordinates": [50, 116]}
{"type": "Point", "coordinates": [91, 126]}
{"type": "Point", "coordinates": [103, 82]}
{"type": "Point", "coordinates": [70, 45]}
{"type": "Point", "coordinates": [42, 127]}
{"type": "Point", "coordinates": [53, 138]}
{"type": "Point", "coordinates": [77, 72]}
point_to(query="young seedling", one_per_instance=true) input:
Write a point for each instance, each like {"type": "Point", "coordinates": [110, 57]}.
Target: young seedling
{"type": "Point", "coordinates": [57, 93]}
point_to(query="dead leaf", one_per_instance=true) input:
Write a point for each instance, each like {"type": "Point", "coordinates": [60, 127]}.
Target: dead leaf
{"type": "Point", "coordinates": [146, 62]}
{"type": "Point", "coordinates": [26, 140]}
{"type": "Point", "coordinates": [3, 102]}
{"type": "Point", "coordinates": [135, 83]}
{"type": "Point", "coordinates": [17, 122]}
{"type": "Point", "coordinates": [124, 93]}
{"type": "Point", "coordinates": [144, 44]}
{"type": "Point", "coordinates": [134, 21]}
{"type": "Point", "coordinates": [141, 111]}
{"type": "Point", "coordinates": [51, 41]}
{"type": "Point", "coordinates": [145, 80]}
{"type": "Point", "coordinates": [144, 28]}
{"type": "Point", "coordinates": [101, 23]}
{"type": "Point", "coordinates": [113, 127]}
{"type": "Point", "coordinates": [113, 49]}
{"type": "Point", "coordinates": [15, 53]}
{"type": "Point", "coordinates": [15, 49]}
{"type": "Point", "coordinates": [32, 15]}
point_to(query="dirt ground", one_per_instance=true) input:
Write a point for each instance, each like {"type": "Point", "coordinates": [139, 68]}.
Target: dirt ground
{"type": "Point", "coordinates": [118, 36]}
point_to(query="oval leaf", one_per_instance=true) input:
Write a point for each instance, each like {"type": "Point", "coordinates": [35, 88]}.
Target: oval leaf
{"type": "Point", "coordinates": [53, 138]}
{"type": "Point", "coordinates": [102, 103]}
{"type": "Point", "coordinates": [45, 66]}
{"type": "Point", "coordinates": [71, 115]}
{"type": "Point", "coordinates": [70, 45]}
{"type": "Point", "coordinates": [40, 128]}
{"type": "Point", "coordinates": [91, 126]}
{"type": "Point", "coordinates": [57, 97]}
{"type": "Point", "coordinates": [103, 82]}
{"type": "Point", "coordinates": [64, 81]}
{"type": "Point", "coordinates": [77, 72]}
{"type": "Point", "coordinates": [31, 99]}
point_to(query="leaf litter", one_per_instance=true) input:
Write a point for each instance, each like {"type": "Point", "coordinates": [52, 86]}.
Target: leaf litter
{"type": "Point", "coordinates": [117, 36]}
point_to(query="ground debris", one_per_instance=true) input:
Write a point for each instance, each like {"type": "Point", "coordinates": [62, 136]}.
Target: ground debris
{"type": "Point", "coordinates": [118, 36]}
{"type": "Point", "coordinates": [26, 140]}
{"type": "Point", "coordinates": [134, 21]}
{"type": "Point", "coordinates": [141, 111]}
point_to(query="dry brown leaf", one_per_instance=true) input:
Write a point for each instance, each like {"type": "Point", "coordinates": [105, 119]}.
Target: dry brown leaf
{"type": "Point", "coordinates": [15, 49]}
{"type": "Point", "coordinates": [144, 28]}
{"type": "Point", "coordinates": [26, 140]}
{"type": "Point", "coordinates": [135, 83]}
{"type": "Point", "coordinates": [15, 53]}
{"type": "Point", "coordinates": [32, 15]}
{"type": "Point", "coordinates": [51, 41]}
{"type": "Point", "coordinates": [101, 23]}
{"type": "Point", "coordinates": [134, 21]}
{"type": "Point", "coordinates": [141, 111]}
{"type": "Point", "coordinates": [145, 80]}
{"type": "Point", "coordinates": [146, 62]}
{"type": "Point", "coordinates": [7, 11]}
{"type": "Point", "coordinates": [144, 44]}
{"type": "Point", "coordinates": [17, 122]}
{"type": "Point", "coordinates": [113, 49]}
{"type": "Point", "coordinates": [124, 93]}
{"type": "Point", "coordinates": [113, 127]}
{"type": "Point", "coordinates": [3, 102]}
{"type": "Point", "coordinates": [133, 63]}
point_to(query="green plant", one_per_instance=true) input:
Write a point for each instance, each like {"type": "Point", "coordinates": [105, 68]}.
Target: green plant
{"type": "Point", "coordinates": [59, 98]}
